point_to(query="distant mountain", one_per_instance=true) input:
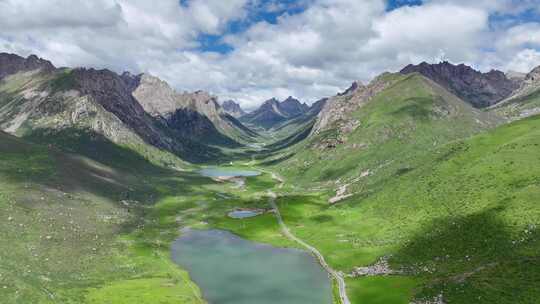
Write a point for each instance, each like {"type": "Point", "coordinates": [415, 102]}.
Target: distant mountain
{"type": "Point", "coordinates": [518, 77]}
{"type": "Point", "coordinates": [11, 64]}
{"type": "Point", "coordinates": [292, 107]}
{"type": "Point", "coordinates": [232, 108]}
{"type": "Point", "coordinates": [479, 89]}
{"type": "Point", "coordinates": [195, 114]}
{"type": "Point", "coordinates": [273, 112]}
{"type": "Point", "coordinates": [137, 111]}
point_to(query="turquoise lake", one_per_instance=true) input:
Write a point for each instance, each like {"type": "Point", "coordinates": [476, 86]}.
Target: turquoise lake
{"type": "Point", "coordinates": [232, 270]}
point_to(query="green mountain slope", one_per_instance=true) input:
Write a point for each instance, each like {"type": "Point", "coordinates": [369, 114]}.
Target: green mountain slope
{"type": "Point", "coordinates": [71, 224]}
{"type": "Point", "coordinates": [463, 223]}
{"type": "Point", "coordinates": [98, 228]}
{"type": "Point", "coordinates": [386, 133]}
{"type": "Point", "coordinates": [453, 215]}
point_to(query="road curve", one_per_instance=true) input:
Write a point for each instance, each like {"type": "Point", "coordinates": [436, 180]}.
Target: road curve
{"type": "Point", "coordinates": [338, 276]}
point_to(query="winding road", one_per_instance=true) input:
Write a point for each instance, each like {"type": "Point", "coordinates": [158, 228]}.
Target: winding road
{"type": "Point", "coordinates": [338, 276]}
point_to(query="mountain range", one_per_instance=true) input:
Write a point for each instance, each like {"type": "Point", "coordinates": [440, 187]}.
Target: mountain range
{"type": "Point", "coordinates": [273, 111]}
{"type": "Point", "coordinates": [232, 108]}
{"type": "Point", "coordinates": [135, 110]}
{"type": "Point", "coordinates": [419, 186]}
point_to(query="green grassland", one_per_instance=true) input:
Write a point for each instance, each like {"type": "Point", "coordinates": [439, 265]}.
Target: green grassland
{"type": "Point", "coordinates": [462, 221]}
{"type": "Point", "coordinates": [98, 228]}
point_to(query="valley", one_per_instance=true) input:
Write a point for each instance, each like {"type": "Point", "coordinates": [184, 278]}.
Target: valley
{"type": "Point", "coordinates": [402, 190]}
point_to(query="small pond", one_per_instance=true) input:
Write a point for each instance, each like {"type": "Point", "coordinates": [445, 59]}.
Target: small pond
{"type": "Point", "coordinates": [227, 172]}
{"type": "Point", "coordinates": [232, 270]}
{"type": "Point", "coordinates": [240, 214]}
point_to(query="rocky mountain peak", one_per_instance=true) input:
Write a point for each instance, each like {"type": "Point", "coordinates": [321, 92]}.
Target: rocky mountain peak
{"type": "Point", "coordinates": [335, 112]}
{"type": "Point", "coordinates": [533, 75]}
{"type": "Point", "coordinates": [529, 84]}
{"type": "Point", "coordinates": [12, 64]}
{"type": "Point", "coordinates": [354, 86]}
{"type": "Point", "coordinates": [292, 107]}
{"type": "Point", "coordinates": [232, 108]}
{"type": "Point", "coordinates": [272, 111]}
{"type": "Point", "coordinates": [477, 88]}
{"type": "Point", "coordinates": [159, 99]}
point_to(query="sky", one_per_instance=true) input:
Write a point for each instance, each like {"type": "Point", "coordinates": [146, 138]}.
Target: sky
{"type": "Point", "coordinates": [252, 50]}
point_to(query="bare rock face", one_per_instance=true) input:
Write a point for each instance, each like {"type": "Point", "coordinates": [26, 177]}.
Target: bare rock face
{"type": "Point", "coordinates": [336, 111]}
{"type": "Point", "coordinates": [196, 114]}
{"type": "Point", "coordinates": [135, 110]}
{"type": "Point", "coordinates": [12, 64]}
{"type": "Point", "coordinates": [232, 108]}
{"type": "Point", "coordinates": [516, 77]}
{"type": "Point", "coordinates": [479, 89]}
{"type": "Point", "coordinates": [292, 107]}
{"type": "Point", "coordinates": [529, 84]}
{"type": "Point", "coordinates": [523, 101]}
{"type": "Point", "coordinates": [114, 94]}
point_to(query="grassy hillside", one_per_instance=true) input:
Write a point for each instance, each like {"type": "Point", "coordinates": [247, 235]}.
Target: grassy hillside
{"type": "Point", "coordinates": [460, 219]}
{"type": "Point", "coordinates": [98, 228]}
{"type": "Point", "coordinates": [407, 120]}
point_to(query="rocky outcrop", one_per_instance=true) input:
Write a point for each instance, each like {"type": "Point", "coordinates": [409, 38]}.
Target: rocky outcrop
{"type": "Point", "coordinates": [11, 64]}
{"type": "Point", "coordinates": [196, 114]}
{"type": "Point", "coordinates": [380, 268]}
{"type": "Point", "coordinates": [113, 93]}
{"type": "Point", "coordinates": [101, 102]}
{"type": "Point", "coordinates": [479, 89]}
{"type": "Point", "coordinates": [529, 84]}
{"type": "Point", "coordinates": [336, 110]}
{"type": "Point", "coordinates": [516, 77]}
{"type": "Point", "coordinates": [292, 107]}
{"type": "Point", "coordinates": [232, 108]}
{"type": "Point", "coordinates": [524, 101]}
{"type": "Point", "coordinates": [317, 107]}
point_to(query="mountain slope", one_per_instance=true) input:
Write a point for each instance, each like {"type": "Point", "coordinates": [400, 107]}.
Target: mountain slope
{"type": "Point", "coordinates": [479, 89]}
{"type": "Point", "coordinates": [76, 224]}
{"type": "Point", "coordinates": [460, 222]}
{"type": "Point", "coordinates": [40, 105]}
{"type": "Point", "coordinates": [42, 102]}
{"type": "Point", "coordinates": [232, 108]}
{"type": "Point", "coordinates": [273, 112]}
{"type": "Point", "coordinates": [390, 120]}
{"type": "Point", "coordinates": [195, 114]}
{"type": "Point", "coordinates": [455, 215]}
{"type": "Point", "coordinates": [12, 64]}
{"type": "Point", "coordinates": [525, 101]}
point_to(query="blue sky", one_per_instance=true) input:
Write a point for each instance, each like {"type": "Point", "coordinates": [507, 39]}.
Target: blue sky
{"type": "Point", "coordinates": [214, 43]}
{"type": "Point", "coordinates": [258, 13]}
{"type": "Point", "coordinates": [252, 50]}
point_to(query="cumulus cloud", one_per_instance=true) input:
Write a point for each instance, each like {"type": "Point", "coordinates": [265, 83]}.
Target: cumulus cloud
{"type": "Point", "coordinates": [311, 53]}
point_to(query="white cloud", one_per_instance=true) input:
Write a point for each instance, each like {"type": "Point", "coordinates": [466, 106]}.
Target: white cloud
{"type": "Point", "coordinates": [310, 55]}
{"type": "Point", "coordinates": [520, 35]}
{"type": "Point", "coordinates": [524, 61]}
{"type": "Point", "coordinates": [429, 30]}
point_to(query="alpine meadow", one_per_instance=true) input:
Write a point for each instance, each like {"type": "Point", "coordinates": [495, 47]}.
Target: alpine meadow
{"type": "Point", "coordinates": [270, 152]}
